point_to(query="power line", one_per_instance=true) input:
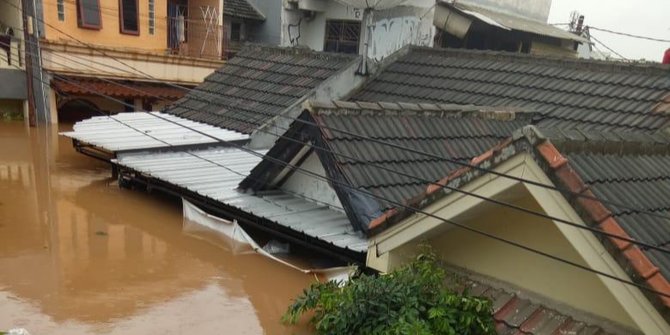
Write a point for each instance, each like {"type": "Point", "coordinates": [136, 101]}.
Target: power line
{"type": "Point", "coordinates": [451, 222]}
{"type": "Point", "coordinates": [431, 182]}
{"type": "Point", "coordinates": [458, 162]}
{"type": "Point", "coordinates": [630, 35]}
{"type": "Point", "coordinates": [608, 48]}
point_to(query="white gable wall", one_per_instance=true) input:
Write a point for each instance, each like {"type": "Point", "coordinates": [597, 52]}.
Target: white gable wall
{"type": "Point", "coordinates": [311, 187]}
{"type": "Point", "coordinates": [575, 287]}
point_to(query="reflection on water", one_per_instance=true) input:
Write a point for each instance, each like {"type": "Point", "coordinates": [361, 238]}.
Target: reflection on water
{"type": "Point", "coordinates": [80, 255]}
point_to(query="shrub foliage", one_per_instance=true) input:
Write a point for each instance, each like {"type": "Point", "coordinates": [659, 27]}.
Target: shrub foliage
{"type": "Point", "coordinates": [411, 300]}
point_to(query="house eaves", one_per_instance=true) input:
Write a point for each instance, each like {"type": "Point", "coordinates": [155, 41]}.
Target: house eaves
{"type": "Point", "coordinates": [511, 22]}
{"type": "Point", "coordinates": [587, 167]}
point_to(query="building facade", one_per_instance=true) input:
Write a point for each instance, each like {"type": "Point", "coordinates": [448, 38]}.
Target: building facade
{"type": "Point", "coordinates": [13, 95]}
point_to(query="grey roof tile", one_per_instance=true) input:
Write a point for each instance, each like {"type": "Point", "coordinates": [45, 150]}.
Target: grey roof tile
{"type": "Point", "coordinates": [461, 133]}
{"type": "Point", "coordinates": [257, 84]}
{"type": "Point", "coordinates": [572, 93]}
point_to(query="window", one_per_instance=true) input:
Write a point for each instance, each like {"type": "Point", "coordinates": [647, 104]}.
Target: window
{"type": "Point", "coordinates": [152, 18]}
{"type": "Point", "coordinates": [129, 17]}
{"type": "Point", "coordinates": [235, 29]}
{"type": "Point", "coordinates": [61, 10]}
{"type": "Point", "coordinates": [342, 36]}
{"type": "Point", "coordinates": [88, 14]}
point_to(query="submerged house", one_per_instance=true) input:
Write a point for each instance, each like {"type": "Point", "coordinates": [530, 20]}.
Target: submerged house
{"type": "Point", "coordinates": [595, 131]}
{"type": "Point", "coordinates": [432, 139]}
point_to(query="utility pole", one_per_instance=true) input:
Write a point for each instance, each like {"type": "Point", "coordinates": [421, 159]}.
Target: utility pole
{"type": "Point", "coordinates": [27, 29]}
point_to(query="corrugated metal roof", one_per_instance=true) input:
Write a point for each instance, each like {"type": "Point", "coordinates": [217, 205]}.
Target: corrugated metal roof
{"type": "Point", "coordinates": [116, 88]}
{"type": "Point", "coordinates": [197, 171]}
{"type": "Point", "coordinates": [143, 130]}
{"type": "Point", "coordinates": [512, 22]}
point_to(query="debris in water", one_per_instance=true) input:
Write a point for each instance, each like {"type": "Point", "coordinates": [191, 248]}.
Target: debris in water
{"type": "Point", "coordinates": [101, 233]}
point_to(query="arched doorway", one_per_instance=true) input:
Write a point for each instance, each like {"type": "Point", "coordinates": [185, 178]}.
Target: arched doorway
{"type": "Point", "coordinates": [76, 110]}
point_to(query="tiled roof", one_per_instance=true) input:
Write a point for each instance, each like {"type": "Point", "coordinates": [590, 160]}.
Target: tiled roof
{"type": "Point", "coordinates": [241, 9]}
{"type": "Point", "coordinates": [459, 132]}
{"type": "Point", "coordinates": [570, 93]}
{"type": "Point", "coordinates": [257, 85]}
{"type": "Point", "coordinates": [515, 312]}
{"type": "Point", "coordinates": [629, 173]}
{"type": "Point", "coordinates": [116, 88]}
{"type": "Point", "coordinates": [626, 171]}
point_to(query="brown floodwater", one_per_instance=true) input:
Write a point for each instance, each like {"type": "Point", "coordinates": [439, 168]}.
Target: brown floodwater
{"type": "Point", "coordinates": [79, 255]}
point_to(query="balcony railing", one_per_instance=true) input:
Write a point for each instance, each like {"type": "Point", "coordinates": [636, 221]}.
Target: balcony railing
{"type": "Point", "coordinates": [11, 55]}
{"type": "Point", "coordinates": [195, 38]}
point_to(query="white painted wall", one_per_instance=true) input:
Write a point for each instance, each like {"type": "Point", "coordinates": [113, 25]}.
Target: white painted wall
{"type": "Point", "coordinates": [310, 187]}
{"type": "Point", "coordinates": [395, 28]}
{"type": "Point", "coordinates": [312, 31]}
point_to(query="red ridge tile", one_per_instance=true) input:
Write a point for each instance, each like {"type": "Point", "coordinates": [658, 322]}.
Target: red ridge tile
{"type": "Point", "coordinates": [610, 226]}
{"type": "Point", "coordinates": [640, 262]}
{"type": "Point", "coordinates": [593, 207]}
{"type": "Point", "coordinates": [551, 155]}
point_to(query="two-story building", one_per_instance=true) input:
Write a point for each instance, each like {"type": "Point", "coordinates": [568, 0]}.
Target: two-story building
{"type": "Point", "coordinates": [13, 95]}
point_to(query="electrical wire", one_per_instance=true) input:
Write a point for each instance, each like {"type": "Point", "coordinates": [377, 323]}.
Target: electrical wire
{"type": "Point", "coordinates": [430, 182]}
{"type": "Point", "coordinates": [458, 162]}
{"type": "Point", "coordinates": [630, 35]}
{"type": "Point", "coordinates": [606, 47]}
{"type": "Point", "coordinates": [530, 249]}
{"type": "Point", "coordinates": [411, 208]}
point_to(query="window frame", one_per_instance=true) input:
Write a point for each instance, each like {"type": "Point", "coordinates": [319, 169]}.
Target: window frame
{"type": "Point", "coordinates": [80, 16]}
{"type": "Point", "coordinates": [151, 7]}
{"type": "Point", "coordinates": [340, 41]}
{"type": "Point", "coordinates": [60, 10]}
{"type": "Point", "coordinates": [122, 29]}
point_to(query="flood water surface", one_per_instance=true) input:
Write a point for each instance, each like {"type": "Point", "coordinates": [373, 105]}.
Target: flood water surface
{"type": "Point", "coordinates": [79, 255]}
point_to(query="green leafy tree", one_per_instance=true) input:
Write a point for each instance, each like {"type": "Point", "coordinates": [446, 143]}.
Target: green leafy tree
{"type": "Point", "coordinates": [413, 299]}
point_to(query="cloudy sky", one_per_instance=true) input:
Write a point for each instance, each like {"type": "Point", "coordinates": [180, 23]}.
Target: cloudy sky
{"type": "Point", "coordinates": [641, 17]}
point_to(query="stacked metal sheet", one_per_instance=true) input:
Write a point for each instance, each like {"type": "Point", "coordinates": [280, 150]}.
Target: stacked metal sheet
{"type": "Point", "coordinates": [215, 173]}
{"type": "Point", "coordinates": [147, 130]}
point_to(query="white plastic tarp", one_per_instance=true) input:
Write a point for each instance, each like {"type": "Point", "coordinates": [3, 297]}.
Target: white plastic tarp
{"type": "Point", "coordinates": [236, 239]}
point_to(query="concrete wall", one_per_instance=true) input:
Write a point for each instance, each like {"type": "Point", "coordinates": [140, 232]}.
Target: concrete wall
{"type": "Point", "coordinates": [11, 109]}
{"type": "Point", "coordinates": [11, 16]}
{"type": "Point", "coordinates": [539, 274]}
{"type": "Point", "coordinates": [337, 87]}
{"type": "Point", "coordinates": [396, 27]}
{"type": "Point", "coordinates": [310, 187]}
{"type": "Point", "coordinates": [269, 32]}
{"type": "Point", "coordinates": [75, 59]}
{"type": "Point", "coordinates": [537, 9]}
{"type": "Point", "coordinates": [13, 83]}
{"type": "Point", "coordinates": [312, 31]}
{"type": "Point", "coordinates": [109, 34]}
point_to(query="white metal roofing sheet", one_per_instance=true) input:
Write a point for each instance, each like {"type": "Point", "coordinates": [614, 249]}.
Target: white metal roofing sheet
{"type": "Point", "coordinates": [507, 21]}
{"type": "Point", "coordinates": [147, 130]}
{"type": "Point", "coordinates": [199, 172]}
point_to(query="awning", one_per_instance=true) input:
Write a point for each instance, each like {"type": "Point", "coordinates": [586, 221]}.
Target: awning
{"type": "Point", "coordinates": [447, 13]}
{"type": "Point", "coordinates": [116, 88]}
{"type": "Point", "coordinates": [147, 130]}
